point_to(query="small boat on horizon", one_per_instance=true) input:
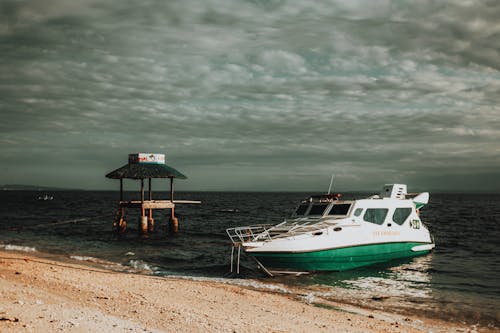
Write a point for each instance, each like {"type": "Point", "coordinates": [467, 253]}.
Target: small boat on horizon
{"type": "Point", "coordinates": [327, 233]}
{"type": "Point", "coordinates": [45, 197]}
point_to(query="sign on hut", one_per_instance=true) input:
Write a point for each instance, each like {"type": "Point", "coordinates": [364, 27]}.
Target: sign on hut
{"type": "Point", "coordinates": [146, 166]}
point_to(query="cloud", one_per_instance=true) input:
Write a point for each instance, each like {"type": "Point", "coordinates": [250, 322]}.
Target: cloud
{"type": "Point", "coordinates": [283, 89]}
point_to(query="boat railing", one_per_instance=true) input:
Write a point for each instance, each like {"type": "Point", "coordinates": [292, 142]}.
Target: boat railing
{"type": "Point", "coordinates": [263, 232]}
{"type": "Point", "coordinates": [251, 233]}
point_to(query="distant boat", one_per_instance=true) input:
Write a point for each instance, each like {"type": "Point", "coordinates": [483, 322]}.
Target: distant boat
{"type": "Point", "coordinates": [46, 197]}
{"type": "Point", "coordinates": [327, 233]}
{"type": "Point", "coordinates": [229, 210]}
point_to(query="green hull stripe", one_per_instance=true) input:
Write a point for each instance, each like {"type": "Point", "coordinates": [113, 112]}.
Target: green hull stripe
{"type": "Point", "coordinates": [419, 205]}
{"type": "Point", "coordinates": [338, 259]}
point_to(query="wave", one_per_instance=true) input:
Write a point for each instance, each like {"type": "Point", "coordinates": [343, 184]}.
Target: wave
{"type": "Point", "coordinates": [141, 265]}
{"type": "Point", "coordinates": [133, 266]}
{"type": "Point", "coordinates": [10, 247]}
{"type": "Point", "coordinates": [240, 282]}
{"type": "Point", "coordinates": [106, 264]}
{"type": "Point", "coordinates": [85, 258]}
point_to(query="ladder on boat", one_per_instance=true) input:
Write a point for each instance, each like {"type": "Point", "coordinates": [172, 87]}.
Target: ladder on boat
{"type": "Point", "coordinates": [238, 246]}
{"type": "Point", "coordinates": [240, 235]}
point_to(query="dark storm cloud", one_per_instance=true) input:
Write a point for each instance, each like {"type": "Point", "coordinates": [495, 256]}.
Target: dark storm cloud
{"type": "Point", "coordinates": [257, 95]}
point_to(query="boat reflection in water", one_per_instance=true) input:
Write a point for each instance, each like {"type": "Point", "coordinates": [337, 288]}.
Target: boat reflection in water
{"type": "Point", "coordinates": [402, 286]}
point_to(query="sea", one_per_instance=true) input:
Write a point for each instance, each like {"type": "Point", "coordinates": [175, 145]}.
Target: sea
{"type": "Point", "coordinates": [458, 282]}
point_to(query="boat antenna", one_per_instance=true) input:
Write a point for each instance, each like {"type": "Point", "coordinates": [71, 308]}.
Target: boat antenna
{"type": "Point", "coordinates": [331, 183]}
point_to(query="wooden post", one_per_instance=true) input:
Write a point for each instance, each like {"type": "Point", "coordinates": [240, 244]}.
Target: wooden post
{"type": "Point", "coordinates": [151, 221]}
{"type": "Point", "coordinates": [171, 188]}
{"type": "Point", "coordinates": [120, 225]}
{"type": "Point", "coordinates": [143, 224]}
{"type": "Point", "coordinates": [142, 196]}
{"type": "Point", "coordinates": [174, 223]}
{"type": "Point", "coordinates": [121, 189]}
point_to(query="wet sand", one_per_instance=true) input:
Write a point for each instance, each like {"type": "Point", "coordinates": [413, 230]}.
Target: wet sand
{"type": "Point", "coordinates": [42, 295]}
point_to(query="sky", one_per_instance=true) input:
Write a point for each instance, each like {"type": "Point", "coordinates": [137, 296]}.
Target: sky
{"type": "Point", "coordinates": [262, 95]}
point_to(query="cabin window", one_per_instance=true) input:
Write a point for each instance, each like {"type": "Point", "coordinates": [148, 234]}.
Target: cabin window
{"type": "Point", "coordinates": [301, 210]}
{"type": "Point", "coordinates": [400, 215]}
{"type": "Point", "coordinates": [318, 209]}
{"type": "Point", "coordinates": [358, 211]}
{"type": "Point", "coordinates": [340, 209]}
{"type": "Point", "coordinates": [375, 215]}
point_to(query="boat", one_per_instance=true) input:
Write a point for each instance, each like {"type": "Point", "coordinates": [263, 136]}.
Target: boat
{"type": "Point", "coordinates": [328, 233]}
{"type": "Point", "coordinates": [46, 197]}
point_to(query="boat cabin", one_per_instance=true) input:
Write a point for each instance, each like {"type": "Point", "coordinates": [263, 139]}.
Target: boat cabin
{"type": "Point", "coordinates": [393, 206]}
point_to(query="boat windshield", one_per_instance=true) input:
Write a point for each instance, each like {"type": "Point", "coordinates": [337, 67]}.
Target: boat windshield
{"type": "Point", "coordinates": [340, 209]}
{"type": "Point", "coordinates": [318, 209]}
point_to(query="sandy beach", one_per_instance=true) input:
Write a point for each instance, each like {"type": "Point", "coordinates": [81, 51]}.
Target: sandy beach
{"type": "Point", "coordinates": [42, 295]}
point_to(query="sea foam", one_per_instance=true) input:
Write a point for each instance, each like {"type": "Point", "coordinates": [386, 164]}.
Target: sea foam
{"type": "Point", "coordinates": [140, 265]}
{"type": "Point", "coordinates": [10, 247]}
{"type": "Point", "coordinates": [85, 258]}
{"type": "Point", "coordinates": [239, 282]}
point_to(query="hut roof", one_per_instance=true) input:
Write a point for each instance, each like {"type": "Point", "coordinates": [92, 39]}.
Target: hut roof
{"type": "Point", "coordinates": [145, 170]}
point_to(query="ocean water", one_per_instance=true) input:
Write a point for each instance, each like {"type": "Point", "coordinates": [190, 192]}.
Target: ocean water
{"type": "Point", "coordinates": [459, 281]}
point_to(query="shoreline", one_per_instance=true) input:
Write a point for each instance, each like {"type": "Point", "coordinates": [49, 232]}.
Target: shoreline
{"type": "Point", "coordinates": [42, 294]}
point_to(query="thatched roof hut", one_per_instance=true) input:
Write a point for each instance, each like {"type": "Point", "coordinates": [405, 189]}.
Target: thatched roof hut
{"type": "Point", "coordinates": [145, 166]}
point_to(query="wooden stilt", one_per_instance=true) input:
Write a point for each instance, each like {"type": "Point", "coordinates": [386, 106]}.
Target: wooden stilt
{"type": "Point", "coordinates": [172, 189]}
{"type": "Point", "coordinates": [150, 193]}
{"type": "Point", "coordinates": [174, 222]}
{"type": "Point", "coordinates": [116, 220]}
{"type": "Point", "coordinates": [142, 197]}
{"type": "Point", "coordinates": [121, 189]}
{"type": "Point", "coordinates": [119, 224]}
{"type": "Point", "coordinates": [151, 221]}
{"type": "Point", "coordinates": [122, 226]}
{"type": "Point", "coordinates": [143, 224]}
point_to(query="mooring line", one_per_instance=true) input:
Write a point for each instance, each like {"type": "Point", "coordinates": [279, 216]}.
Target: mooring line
{"type": "Point", "coordinates": [71, 221]}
